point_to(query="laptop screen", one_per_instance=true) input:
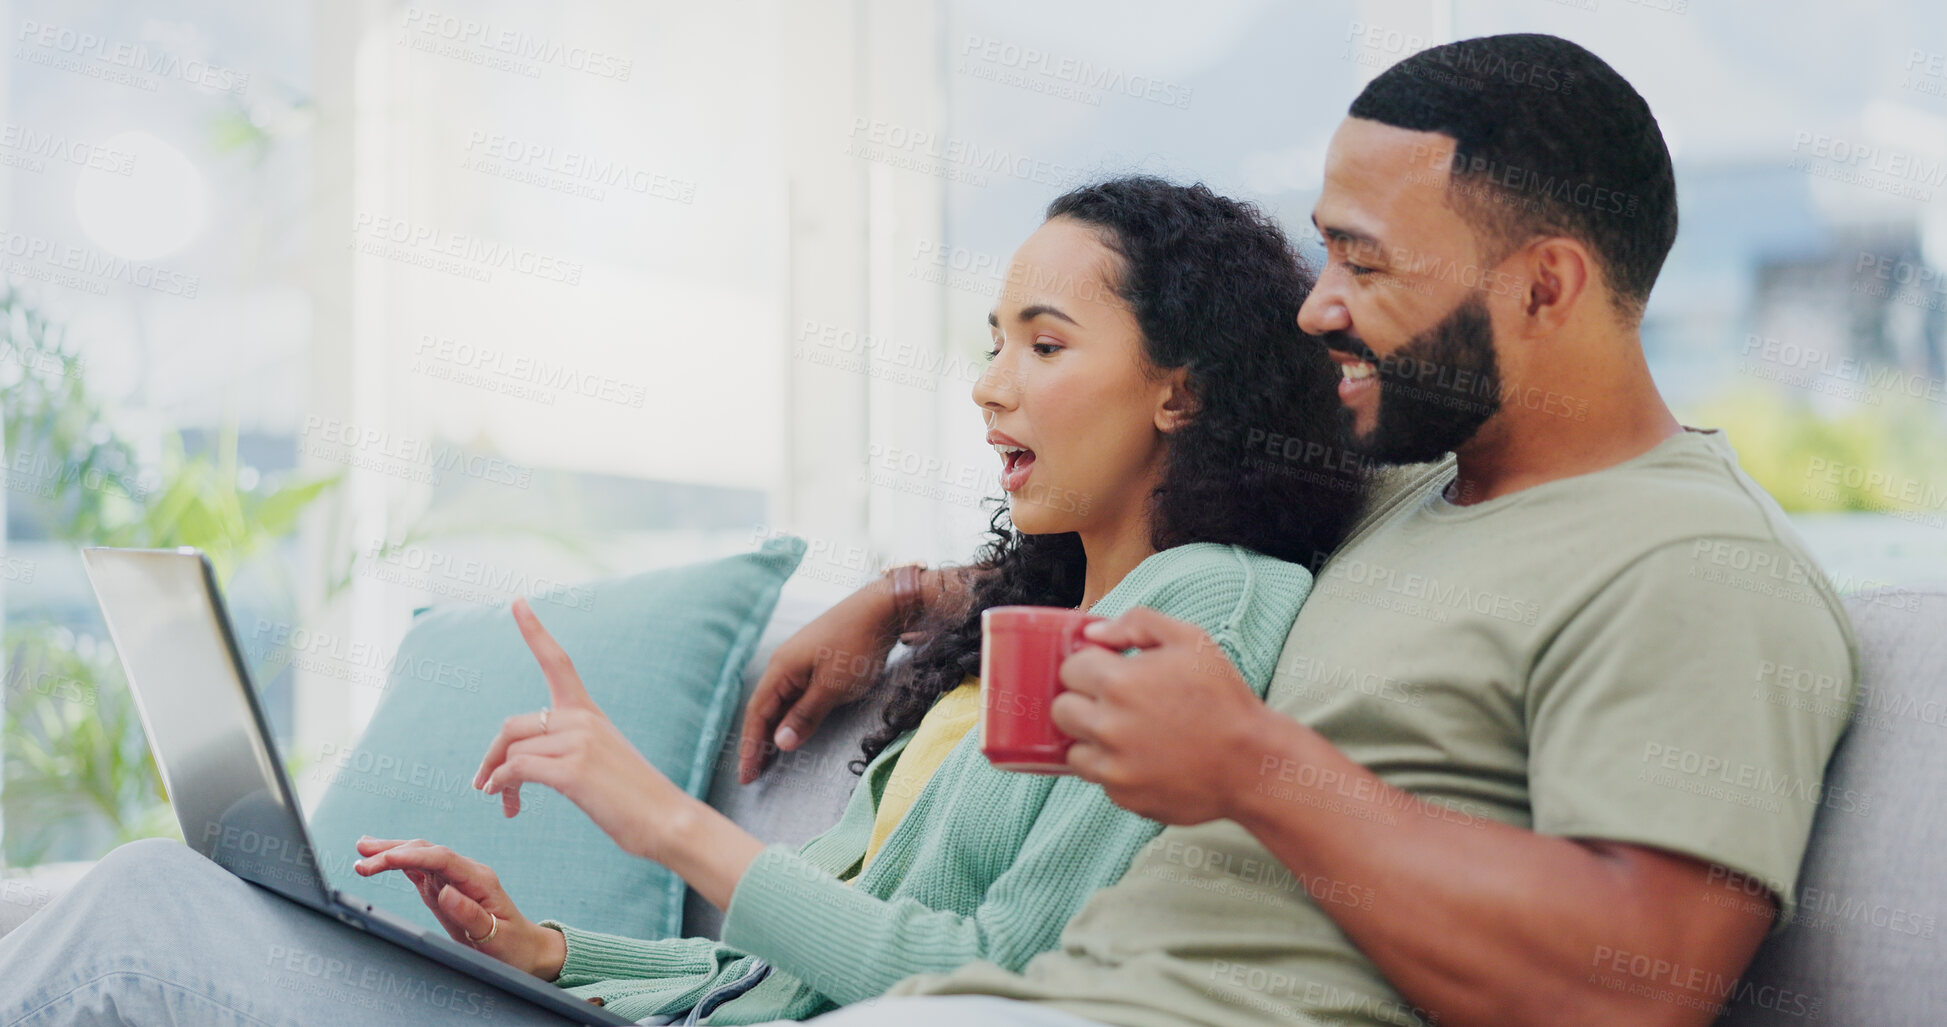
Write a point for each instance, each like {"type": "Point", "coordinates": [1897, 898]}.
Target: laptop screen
{"type": "Point", "coordinates": [202, 718]}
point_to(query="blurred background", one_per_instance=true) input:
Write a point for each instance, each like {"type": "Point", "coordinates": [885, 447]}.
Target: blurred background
{"type": "Point", "coordinates": [385, 305]}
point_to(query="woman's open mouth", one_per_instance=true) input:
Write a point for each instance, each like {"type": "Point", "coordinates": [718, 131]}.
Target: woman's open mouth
{"type": "Point", "coordinates": [1016, 462]}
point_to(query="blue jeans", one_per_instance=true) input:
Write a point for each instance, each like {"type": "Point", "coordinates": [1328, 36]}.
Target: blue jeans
{"type": "Point", "coordinates": [157, 934]}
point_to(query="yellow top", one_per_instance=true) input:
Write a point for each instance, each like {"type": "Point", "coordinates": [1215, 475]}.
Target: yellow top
{"type": "Point", "coordinates": [951, 717]}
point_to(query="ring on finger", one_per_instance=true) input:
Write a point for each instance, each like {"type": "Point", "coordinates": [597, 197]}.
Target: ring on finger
{"type": "Point", "coordinates": [495, 929]}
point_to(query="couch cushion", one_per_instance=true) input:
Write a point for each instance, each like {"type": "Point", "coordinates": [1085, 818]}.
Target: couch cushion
{"type": "Point", "coordinates": [1866, 947]}
{"type": "Point", "coordinates": [803, 792]}
{"type": "Point", "coordinates": [662, 652]}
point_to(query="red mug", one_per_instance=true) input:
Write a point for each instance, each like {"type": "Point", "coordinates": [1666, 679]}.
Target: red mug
{"type": "Point", "coordinates": [1021, 649]}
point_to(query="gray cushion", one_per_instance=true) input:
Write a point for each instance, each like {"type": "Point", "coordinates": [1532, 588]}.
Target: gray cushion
{"type": "Point", "coordinates": [1867, 947]}
{"type": "Point", "coordinates": [804, 791]}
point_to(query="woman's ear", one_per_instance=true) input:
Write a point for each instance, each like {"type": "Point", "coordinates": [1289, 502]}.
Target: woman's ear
{"type": "Point", "coordinates": [1178, 404]}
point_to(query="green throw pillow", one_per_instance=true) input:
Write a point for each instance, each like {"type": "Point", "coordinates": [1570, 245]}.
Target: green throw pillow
{"type": "Point", "coordinates": [663, 652]}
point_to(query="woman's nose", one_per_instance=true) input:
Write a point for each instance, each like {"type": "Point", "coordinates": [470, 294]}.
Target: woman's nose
{"type": "Point", "coordinates": [998, 387]}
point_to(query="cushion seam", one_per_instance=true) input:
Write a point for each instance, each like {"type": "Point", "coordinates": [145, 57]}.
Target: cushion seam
{"type": "Point", "coordinates": [741, 648]}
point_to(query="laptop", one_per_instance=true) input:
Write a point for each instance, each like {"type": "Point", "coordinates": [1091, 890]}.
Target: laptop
{"type": "Point", "coordinates": [218, 760]}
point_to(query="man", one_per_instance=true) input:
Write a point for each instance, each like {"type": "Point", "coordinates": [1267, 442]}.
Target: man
{"type": "Point", "coordinates": [1523, 761]}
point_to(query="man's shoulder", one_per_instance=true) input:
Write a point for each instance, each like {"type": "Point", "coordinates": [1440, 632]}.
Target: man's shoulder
{"type": "Point", "coordinates": [1686, 499]}
{"type": "Point", "coordinates": [1693, 496]}
{"type": "Point", "coordinates": [1689, 486]}
{"type": "Point", "coordinates": [1390, 488]}
{"type": "Point", "coordinates": [1688, 512]}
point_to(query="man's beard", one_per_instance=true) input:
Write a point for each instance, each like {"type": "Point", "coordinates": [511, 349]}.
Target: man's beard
{"type": "Point", "coordinates": [1434, 392]}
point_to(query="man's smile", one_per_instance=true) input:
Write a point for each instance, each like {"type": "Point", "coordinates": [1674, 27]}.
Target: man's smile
{"type": "Point", "coordinates": [1357, 378]}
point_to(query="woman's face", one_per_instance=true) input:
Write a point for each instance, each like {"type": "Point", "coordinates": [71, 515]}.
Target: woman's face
{"type": "Point", "coordinates": [1072, 404]}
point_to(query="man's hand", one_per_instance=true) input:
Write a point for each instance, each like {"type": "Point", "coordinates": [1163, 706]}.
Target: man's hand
{"type": "Point", "coordinates": [831, 661]}
{"type": "Point", "coordinates": [1161, 731]}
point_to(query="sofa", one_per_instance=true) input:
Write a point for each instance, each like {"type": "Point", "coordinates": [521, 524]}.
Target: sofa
{"type": "Point", "coordinates": [1868, 951]}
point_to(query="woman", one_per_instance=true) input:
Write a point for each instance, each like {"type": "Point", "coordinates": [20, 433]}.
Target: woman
{"type": "Point", "coordinates": [1146, 335]}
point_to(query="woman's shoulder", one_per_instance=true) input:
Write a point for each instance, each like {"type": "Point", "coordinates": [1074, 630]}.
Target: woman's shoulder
{"type": "Point", "coordinates": [1242, 598]}
{"type": "Point", "coordinates": [1203, 573]}
{"type": "Point", "coordinates": [1216, 560]}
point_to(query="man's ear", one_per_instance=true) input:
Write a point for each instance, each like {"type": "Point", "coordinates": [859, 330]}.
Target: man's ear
{"type": "Point", "coordinates": [1560, 274]}
{"type": "Point", "coordinates": [1178, 404]}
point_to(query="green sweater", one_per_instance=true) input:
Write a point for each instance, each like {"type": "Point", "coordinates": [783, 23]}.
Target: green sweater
{"type": "Point", "coordinates": [987, 865]}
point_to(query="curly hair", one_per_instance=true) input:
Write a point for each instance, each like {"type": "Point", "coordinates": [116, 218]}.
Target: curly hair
{"type": "Point", "coordinates": [1215, 288]}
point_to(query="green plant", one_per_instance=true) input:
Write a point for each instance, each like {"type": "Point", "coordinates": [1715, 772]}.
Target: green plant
{"type": "Point", "coordinates": [77, 774]}
{"type": "Point", "coordinates": [1889, 457]}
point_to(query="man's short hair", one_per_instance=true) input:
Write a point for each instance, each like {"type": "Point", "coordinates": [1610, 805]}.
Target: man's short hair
{"type": "Point", "coordinates": [1550, 140]}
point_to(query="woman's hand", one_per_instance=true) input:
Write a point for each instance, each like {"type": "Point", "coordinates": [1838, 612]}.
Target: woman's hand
{"type": "Point", "coordinates": [576, 750]}
{"type": "Point", "coordinates": [467, 899]}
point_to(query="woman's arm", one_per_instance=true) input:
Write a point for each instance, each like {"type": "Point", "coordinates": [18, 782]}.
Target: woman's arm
{"type": "Point", "coordinates": [852, 945]}
{"type": "Point", "coordinates": [708, 850]}
{"type": "Point", "coordinates": [855, 945]}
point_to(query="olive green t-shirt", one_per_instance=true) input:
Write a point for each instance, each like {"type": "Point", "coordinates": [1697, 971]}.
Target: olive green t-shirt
{"type": "Point", "coordinates": [1619, 655]}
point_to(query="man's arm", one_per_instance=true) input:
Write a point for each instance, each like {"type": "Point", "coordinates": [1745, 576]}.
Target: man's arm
{"type": "Point", "coordinates": [832, 661]}
{"type": "Point", "coordinates": [1493, 924]}
{"type": "Point", "coordinates": [1485, 923]}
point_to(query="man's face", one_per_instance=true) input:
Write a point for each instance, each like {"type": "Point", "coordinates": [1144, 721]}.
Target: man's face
{"type": "Point", "coordinates": [1429, 395]}
{"type": "Point", "coordinates": [1404, 301]}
